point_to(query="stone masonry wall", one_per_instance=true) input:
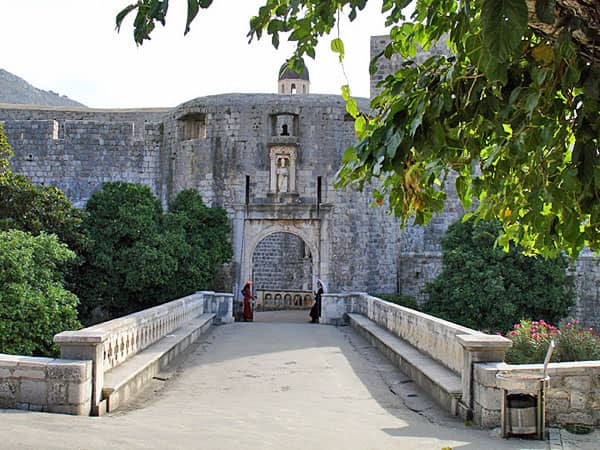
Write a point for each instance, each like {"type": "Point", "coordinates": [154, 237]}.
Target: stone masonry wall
{"type": "Point", "coordinates": [573, 395]}
{"type": "Point", "coordinates": [281, 261]}
{"type": "Point", "coordinates": [78, 150]}
{"type": "Point", "coordinates": [45, 384]}
{"type": "Point", "coordinates": [241, 129]}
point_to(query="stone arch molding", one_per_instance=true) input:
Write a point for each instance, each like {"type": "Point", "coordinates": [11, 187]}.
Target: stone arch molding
{"type": "Point", "coordinates": [256, 231]}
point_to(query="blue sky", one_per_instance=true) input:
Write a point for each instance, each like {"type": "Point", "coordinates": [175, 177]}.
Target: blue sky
{"type": "Point", "coordinates": [71, 47]}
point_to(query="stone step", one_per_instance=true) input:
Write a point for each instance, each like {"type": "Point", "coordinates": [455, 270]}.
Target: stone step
{"type": "Point", "coordinates": [127, 379]}
{"type": "Point", "coordinates": [440, 383]}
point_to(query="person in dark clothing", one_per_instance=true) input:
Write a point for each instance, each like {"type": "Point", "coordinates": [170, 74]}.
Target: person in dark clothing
{"type": "Point", "coordinates": [248, 314]}
{"type": "Point", "coordinates": [315, 311]}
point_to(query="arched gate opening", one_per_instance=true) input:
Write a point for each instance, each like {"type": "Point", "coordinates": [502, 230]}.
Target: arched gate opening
{"type": "Point", "coordinates": [282, 272]}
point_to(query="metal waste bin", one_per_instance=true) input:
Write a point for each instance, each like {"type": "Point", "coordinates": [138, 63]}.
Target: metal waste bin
{"type": "Point", "coordinates": [524, 400]}
{"type": "Point", "coordinates": [521, 411]}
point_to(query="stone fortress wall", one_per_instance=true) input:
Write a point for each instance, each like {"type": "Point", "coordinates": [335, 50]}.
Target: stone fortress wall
{"type": "Point", "coordinates": [270, 161]}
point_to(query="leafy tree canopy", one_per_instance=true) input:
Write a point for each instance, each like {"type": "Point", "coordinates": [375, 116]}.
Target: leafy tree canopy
{"type": "Point", "coordinates": [486, 288]}
{"type": "Point", "coordinates": [5, 153]}
{"type": "Point", "coordinates": [139, 257]}
{"type": "Point", "coordinates": [514, 110]}
{"type": "Point", "coordinates": [31, 208]}
{"type": "Point", "coordinates": [34, 305]}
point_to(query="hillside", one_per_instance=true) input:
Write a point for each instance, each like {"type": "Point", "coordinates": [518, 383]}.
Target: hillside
{"type": "Point", "coordinates": [16, 90]}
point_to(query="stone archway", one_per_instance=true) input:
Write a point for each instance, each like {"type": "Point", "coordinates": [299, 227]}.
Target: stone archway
{"type": "Point", "coordinates": [282, 261]}
{"type": "Point", "coordinates": [301, 236]}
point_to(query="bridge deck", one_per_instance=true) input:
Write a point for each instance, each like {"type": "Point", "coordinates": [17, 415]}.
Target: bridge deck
{"type": "Point", "coordinates": [263, 385]}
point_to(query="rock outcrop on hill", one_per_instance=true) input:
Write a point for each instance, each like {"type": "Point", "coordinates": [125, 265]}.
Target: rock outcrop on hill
{"type": "Point", "coordinates": [16, 90]}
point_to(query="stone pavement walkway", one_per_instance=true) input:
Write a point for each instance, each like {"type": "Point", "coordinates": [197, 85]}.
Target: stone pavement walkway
{"type": "Point", "coordinates": [267, 385]}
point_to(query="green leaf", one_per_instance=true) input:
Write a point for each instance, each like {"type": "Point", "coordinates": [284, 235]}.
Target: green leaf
{"type": "Point", "coordinates": [349, 155]}
{"type": "Point", "coordinates": [352, 107]}
{"type": "Point", "coordinates": [360, 124]}
{"type": "Point", "coordinates": [193, 8]}
{"type": "Point", "coordinates": [346, 92]}
{"type": "Point", "coordinates": [504, 22]}
{"type": "Point", "coordinates": [544, 10]}
{"type": "Point", "coordinates": [337, 45]}
{"type": "Point", "coordinates": [123, 14]}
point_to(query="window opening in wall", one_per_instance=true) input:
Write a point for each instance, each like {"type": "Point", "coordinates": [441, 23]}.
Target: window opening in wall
{"type": "Point", "coordinates": [247, 189]}
{"type": "Point", "coordinates": [293, 88]}
{"type": "Point", "coordinates": [284, 124]}
{"type": "Point", "coordinates": [192, 126]}
{"type": "Point", "coordinates": [319, 195]}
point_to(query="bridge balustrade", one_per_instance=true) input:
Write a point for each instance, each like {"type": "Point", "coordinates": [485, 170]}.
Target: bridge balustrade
{"type": "Point", "coordinates": [111, 343]}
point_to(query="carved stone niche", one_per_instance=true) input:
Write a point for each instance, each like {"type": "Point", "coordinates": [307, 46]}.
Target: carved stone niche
{"type": "Point", "coordinates": [283, 169]}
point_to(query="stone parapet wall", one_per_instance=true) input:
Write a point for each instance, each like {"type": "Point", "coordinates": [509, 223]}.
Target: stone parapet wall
{"type": "Point", "coordinates": [79, 155]}
{"type": "Point", "coordinates": [573, 396]}
{"type": "Point", "coordinates": [45, 384]}
{"type": "Point", "coordinates": [430, 335]}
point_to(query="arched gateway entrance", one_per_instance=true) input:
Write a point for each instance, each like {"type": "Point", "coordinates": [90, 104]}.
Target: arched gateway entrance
{"type": "Point", "coordinates": [282, 272]}
{"type": "Point", "coordinates": [282, 258]}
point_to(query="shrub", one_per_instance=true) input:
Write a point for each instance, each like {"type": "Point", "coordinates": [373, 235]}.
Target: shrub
{"type": "Point", "coordinates": [5, 153]}
{"type": "Point", "coordinates": [531, 340]}
{"type": "Point", "coordinates": [34, 305]}
{"type": "Point", "coordinates": [401, 300]}
{"type": "Point", "coordinates": [486, 288]}
{"type": "Point", "coordinates": [206, 233]}
{"type": "Point", "coordinates": [139, 257]}
{"type": "Point", "coordinates": [26, 207]}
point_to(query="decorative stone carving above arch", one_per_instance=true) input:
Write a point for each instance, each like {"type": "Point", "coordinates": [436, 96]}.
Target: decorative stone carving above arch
{"type": "Point", "coordinates": [283, 169]}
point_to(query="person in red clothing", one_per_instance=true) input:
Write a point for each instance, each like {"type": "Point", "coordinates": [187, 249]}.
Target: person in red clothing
{"type": "Point", "coordinates": [248, 315]}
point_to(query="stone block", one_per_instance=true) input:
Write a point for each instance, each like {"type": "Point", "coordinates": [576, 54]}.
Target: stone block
{"type": "Point", "coordinates": [579, 383]}
{"type": "Point", "coordinates": [33, 391]}
{"type": "Point", "coordinates": [8, 389]}
{"type": "Point", "coordinates": [578, 400]}
{"type": "Point", "coordinates": [488, 398]}
{"type": "Point", "coordinates": [70, 370]}
{"type": "Point", "coordinates": [37, 372]}
{"type": "Point", "coordinates": [575, 417]}
{"type": "Point", "coordinates": [79, 393]}
{"type": "Point", "coordinates": [557, 404]}
{"type": "Point", "coordinates": [485, 373]}
{"type": "Point", "coordinates": [596, 381]}
{"type": "Point", "coordinates": [5, 372]}
{"type": "Point", "coordinates": [57, 393]}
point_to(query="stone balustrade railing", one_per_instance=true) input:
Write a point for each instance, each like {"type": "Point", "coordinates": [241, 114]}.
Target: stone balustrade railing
{"type": "Point", "coordinates": [433, 336]}
{"type": "Point", "coordinates": [111, 343]}
{"type": "Point", "coordinates": [456, 347]}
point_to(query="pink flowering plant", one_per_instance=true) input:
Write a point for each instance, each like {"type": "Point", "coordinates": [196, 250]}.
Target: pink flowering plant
{"type": "Point", "coordinates": [532, 338]}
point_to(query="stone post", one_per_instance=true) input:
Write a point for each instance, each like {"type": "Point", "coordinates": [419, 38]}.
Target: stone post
{"type": "Point", "coordinates": [87, 345]}
{"type": "Point", "coordinates": [478, 348]}
{"type": "Point", "coordinates": [219, 303]}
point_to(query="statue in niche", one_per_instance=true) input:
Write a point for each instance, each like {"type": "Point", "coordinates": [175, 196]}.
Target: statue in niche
{"type": "Point", "coordinates": [282, 175]}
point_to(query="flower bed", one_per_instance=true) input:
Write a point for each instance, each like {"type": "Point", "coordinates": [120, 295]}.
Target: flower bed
{"type": "Point", "coordinates": [532, 338]}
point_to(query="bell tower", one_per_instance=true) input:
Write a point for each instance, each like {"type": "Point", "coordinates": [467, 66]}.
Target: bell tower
{"type": "Point", "coordinates": [291, 82]}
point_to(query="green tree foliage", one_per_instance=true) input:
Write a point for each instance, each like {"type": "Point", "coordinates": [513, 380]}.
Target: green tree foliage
{"type": "Point", "coordinates": [5, 153]}
{"type": "Point", "coordinates": [26, 207]}
{"type": "Point", "coordinates": [206, 232]}
{"type": "Point", "coordinates": [34, 305]}
{"type": "Point", "coordinates": [483, 287]}
{"type": "Point", "coordinates": [514, 111]}
{"type": "Point", "coordinates": [139, 257]}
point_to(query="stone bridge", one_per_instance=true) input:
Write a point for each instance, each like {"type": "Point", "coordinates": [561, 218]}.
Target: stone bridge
{"type": "Point", "coordinates": [392, 378]}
